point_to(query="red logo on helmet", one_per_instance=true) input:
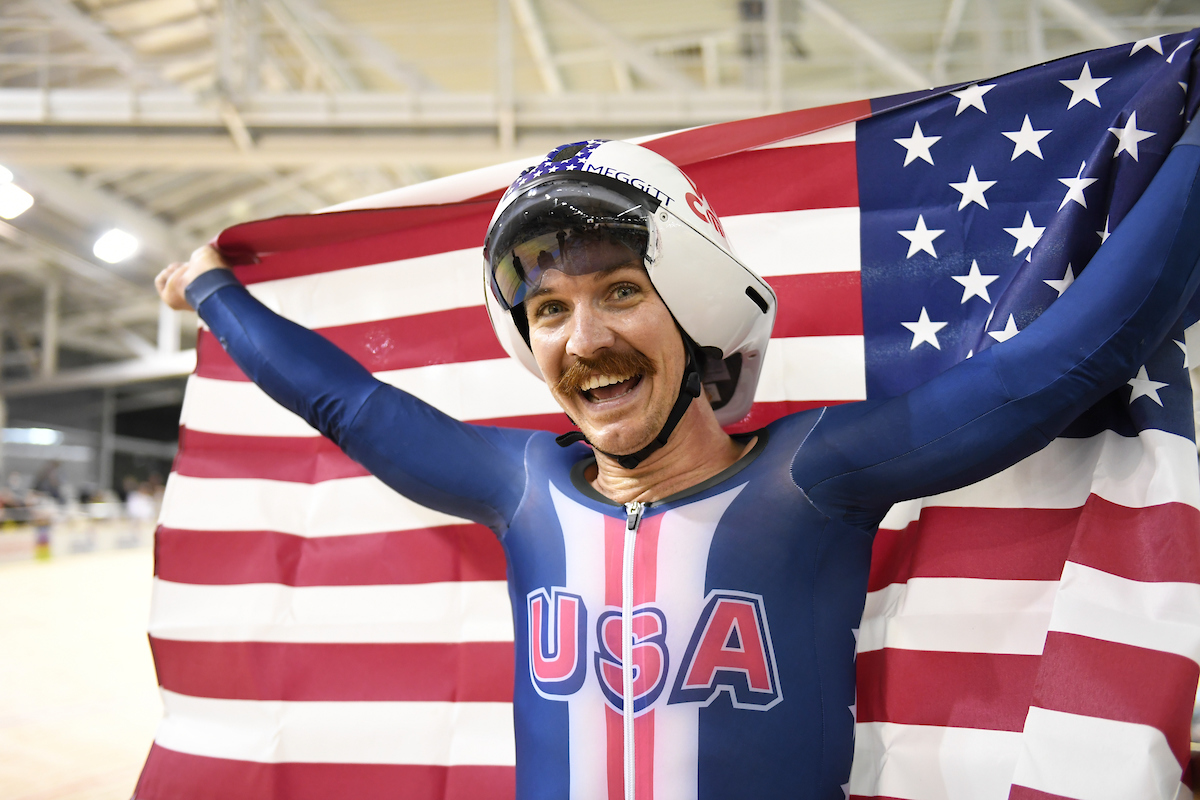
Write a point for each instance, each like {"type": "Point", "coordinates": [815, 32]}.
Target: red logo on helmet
{"type": "Point", "coordinates": [699, 206]}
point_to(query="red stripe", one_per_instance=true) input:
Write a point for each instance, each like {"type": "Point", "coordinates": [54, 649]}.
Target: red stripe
{"type": "Point", "coordinates": [169, 775]}
{"type": "Point", "coordinates": [300, 459]}
{"type": "Point", "coordinates": [614, 546]}
{"type": "Point", "coordinates": [823, 304]}
{"type": "Point", "coordinates": [614, 738]}
{"type": "Point", "coordinates": [479, 672]}
{"type": "Point", "coordinates": [1033, 543]}
{"type": "Point", "coordinates": [714, 141]}
{"type": "Point", "coordinates": [998, 543]}
{"type": "Point", "coordinates": [465, 552]}
{"type": "Point", "coordinates": [213, 362]}
{"type": "Point", "coordinates": [779, 179]}
{"type": "Point", "coordinates": [1096, 678]}
{"type": "Point", "coordinates": [1157, 543]}
{"type": "Point", "coordinates": [307, 244]}
{"type": "Point", "coordinates": [643, 759]}
{"type": "Point", "coordinates": [1025, 793]}
{"type": "Point", "coordinates": [960, 690]}
{"type": "Point", "coordinates": [645, 554]}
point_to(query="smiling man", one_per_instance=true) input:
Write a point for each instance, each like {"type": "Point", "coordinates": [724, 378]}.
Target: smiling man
{"type": "Point", "coordinates": [684, 599]}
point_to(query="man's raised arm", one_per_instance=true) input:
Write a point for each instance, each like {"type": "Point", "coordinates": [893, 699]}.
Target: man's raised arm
{"type": "Point", "coordinates": [466, 470]}
{"type": "Point", "coordinates": [1009, 401]}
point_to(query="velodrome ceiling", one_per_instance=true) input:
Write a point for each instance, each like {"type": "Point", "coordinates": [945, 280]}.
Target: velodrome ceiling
{"type": "Point", "coordinates": [171, 119]}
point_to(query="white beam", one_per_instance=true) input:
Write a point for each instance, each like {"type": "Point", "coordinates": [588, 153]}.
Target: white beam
{"type": "Point", "coordinates": [170, 327]}
{"type": "Point", "coordinates": [1089, 22]}
{"type": "Point", "coordinates": [876, 50]}
{"type": "Point", "coordinates": [534, 32]}
{"type": "Point", "coordinates": [94, 34]}
{"type": "Point", "coordinates": [51, 298]}
{"type": "Point", "coordinates": [950, 29]}
{"type": "Point", "coordinates": [641, 61]}
{"type": "Point", "coordinates": [132, 371]}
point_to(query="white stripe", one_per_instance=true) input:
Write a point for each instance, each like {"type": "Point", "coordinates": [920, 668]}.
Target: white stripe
{"type": "Point", "coordinates": [1157, 616]}
{"type": "Point", "coordinates": [927, 762]}
{"type": "Point", "coordinates": [238, 408]}
{"type": "Point", "coordinates": [583, 544]}
{"type": "Point", "coordinates": [795, 242]}
{"type": "Point", "coordinates": [813, 368]}
{"type": "Point", "coordinates": [1100, 759]}
{"type": "Point", "coordinates": [838, 133]}
{"type": "Point", "coordinates": [379, 291]}
{"type": "Point", "coordinates": [339, 507]}
{"type": "Point", "coordinates": [1155, 468]}
{"type": "Point", "coordinates": [444, 734]}
{"type": "Point", "coordinates": [684, 542]}
{"type": "Point", "coordinates": [970, 615]}
{"type": "Point", "coordinates": [464, 611]}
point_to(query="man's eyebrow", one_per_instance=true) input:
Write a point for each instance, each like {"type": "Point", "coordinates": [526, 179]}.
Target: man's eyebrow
{"type": "Point", "coordinates": [602, 273]}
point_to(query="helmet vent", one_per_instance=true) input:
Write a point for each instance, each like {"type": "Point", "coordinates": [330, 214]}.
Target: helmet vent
{"type": "Point", "coordinates": [569, 151]}
{"type": "Point", "coordinates": [757, 298]}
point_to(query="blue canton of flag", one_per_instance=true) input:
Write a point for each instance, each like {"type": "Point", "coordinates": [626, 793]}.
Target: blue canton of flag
{"type": "Point", "coordinates": [980, 207]}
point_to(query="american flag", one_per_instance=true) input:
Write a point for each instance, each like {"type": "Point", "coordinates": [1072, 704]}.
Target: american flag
{"type": "Point", "coordinates": [1035, 635]}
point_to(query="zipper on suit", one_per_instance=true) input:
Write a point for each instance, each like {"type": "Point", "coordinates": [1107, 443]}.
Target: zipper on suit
{"type": "Point", "coordinates": [633, 519]}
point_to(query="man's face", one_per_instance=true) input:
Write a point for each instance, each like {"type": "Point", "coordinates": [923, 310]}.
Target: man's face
{"type": "Point", "coordinates": [610, 353]}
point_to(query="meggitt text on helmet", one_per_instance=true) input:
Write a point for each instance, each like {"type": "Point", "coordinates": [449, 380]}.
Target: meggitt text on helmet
{"type": "Point", "coordinates": [632, 180]}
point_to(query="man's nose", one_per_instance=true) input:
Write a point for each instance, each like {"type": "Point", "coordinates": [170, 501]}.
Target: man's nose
{"type": "Point", "coordinates": [589, 333]}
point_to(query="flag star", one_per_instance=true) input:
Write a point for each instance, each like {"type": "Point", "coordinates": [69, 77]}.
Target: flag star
{"type": "Point", "coordinates": [972, 97]}
{"type": "Point", "coordinates": [1026, 140]}
{"type": "Point", "coordinates": [1183, 44]}
{"type": "Point", "coordinates": [924, 330]}
{"type": "Point", "coordinates": [1010, 330]}
{"type": "Point", "coordinates": [1129, 136]}
{"type": "Point", "coordinates": [970, 353]}
{"type": "Point", "coordinates": [921, 238]}
{"type": "Point", "coordinates": [1075, 187]}
{"type": "Point", "coordinates": [1104, 234]}
{"type": "Point", "coordinates": [1152, 42]}
{"type": "Point", "coordinates": [974, 284]}
{"type": "Point", "coordinates": [1061, 286]}
{"type": "Point", "coordinates": [972, 190]}
{"type": "Point", "coordinates": [853, 710]}
{"type": "Point", "coordinates": [1183, 347]}
{"type": "Point", "coordinates": [846, 790]}
{"type": "Point", "coordinates": [1027, 235]}
{"type": "Point", "coordinates": [917, 145]}
{"type": "Point", "coordinates": [1144, 387]}
{"type": "Point", "coordinates": [1084, 87]}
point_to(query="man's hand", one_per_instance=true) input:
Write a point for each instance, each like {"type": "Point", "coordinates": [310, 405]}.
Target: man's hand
{"type": "Point", "coordinates": [173, 280]}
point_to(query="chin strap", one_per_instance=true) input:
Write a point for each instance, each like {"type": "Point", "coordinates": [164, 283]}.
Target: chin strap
{"type": "Point", "coordinates": [689, 390]}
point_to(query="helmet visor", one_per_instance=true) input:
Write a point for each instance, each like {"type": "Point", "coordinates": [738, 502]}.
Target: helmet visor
{"type": "Point", "coordinates": [566, 225]}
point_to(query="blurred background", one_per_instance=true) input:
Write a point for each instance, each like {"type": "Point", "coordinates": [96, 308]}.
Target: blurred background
{"type": "Point", "coordinates": [132, 131]}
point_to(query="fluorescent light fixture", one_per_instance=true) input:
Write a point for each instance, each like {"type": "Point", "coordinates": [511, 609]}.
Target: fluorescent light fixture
{"type": "Point", "coordinates": [14, 201]}
{"type": "Point", "coordinates": [115, 245]}
{"type": "Point", "coordinates": [47, 436]}
{"type": "Point", "coordinates": [6, 175]}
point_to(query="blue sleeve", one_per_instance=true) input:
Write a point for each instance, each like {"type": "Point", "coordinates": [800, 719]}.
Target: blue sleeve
{"type": "Point", "coordinates": [1008, 402]}
{"type": "Point", "coordinates": [466, 470]}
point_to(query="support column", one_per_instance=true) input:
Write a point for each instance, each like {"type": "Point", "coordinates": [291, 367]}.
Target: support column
{"type": "Point", "coordinates": [774, 56]}
{"type": "Point", "coordinates": [51, 301]}
{"type": "Point", "coordinates": [108, 419]}
{"type": "Point", "coordinates": [170, 327]}
{"type": "Point", "coordinates": [506, 114]}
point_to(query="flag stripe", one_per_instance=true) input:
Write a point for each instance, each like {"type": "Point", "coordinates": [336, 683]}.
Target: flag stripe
{"type": "Point", "coordinates": [1033, 543]}
{"type": "Point", "coordinates": [959, 614]}
{"type": "Point", "coordinates": [421, 555]}
{"type": "Point", "coordinates": [442, 734]}
{"type": "Point", "coordinates": [467, 611]}
{"type": "Point", "coordinates": [747, 182]}
{"type": "Point", "coordinates": [1095, 678]}
{"type": "Point", "coordinates": [339, 507]}
{"type": "Point", "coordinates": [1158, 616]}
{"type": "Point", "coordinates": [171, 775]}
{"type": "Point", "coordinates": [473, 672]}
{"type": "Point", "coordinates": [928, 761]}
{"type": "Point", "coordinates": [962, 690]}
{"type": "Point", "coordinates": [1100, 759]}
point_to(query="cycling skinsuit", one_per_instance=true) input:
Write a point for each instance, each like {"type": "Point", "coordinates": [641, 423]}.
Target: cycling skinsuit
{"type": "Point", "coordinates": [743, 592]}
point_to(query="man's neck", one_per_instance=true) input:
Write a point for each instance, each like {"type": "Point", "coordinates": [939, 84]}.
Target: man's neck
{"type": "Point", "coordinates": [697, 450]}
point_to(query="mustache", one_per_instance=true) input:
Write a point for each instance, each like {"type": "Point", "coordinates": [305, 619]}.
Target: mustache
{"type": "Point", "coordinates": [629, 362]}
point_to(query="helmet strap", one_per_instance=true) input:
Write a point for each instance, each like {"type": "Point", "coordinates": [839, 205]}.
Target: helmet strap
{"type": "Point", "coordinates": [689, 390]}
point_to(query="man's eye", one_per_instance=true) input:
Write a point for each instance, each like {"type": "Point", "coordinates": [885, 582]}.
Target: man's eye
{"type": "Point", "coordinates": [625, 292]}
{"type": "Point", "coordinates": [549, 309]}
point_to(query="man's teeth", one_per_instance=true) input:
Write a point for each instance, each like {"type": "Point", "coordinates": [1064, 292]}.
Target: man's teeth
{"type": "Point", "coordinates": [597, 381]}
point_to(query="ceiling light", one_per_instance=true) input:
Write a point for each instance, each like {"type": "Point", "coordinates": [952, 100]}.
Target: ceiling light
{"type": "Point", "coordinates": [116, 245]}
{"type": "Point", "coordinates": [6, 175]}
{"type": "Point", "coordinates": [46, 436]}
{"type": "Point", "coordinates": [14, 201]}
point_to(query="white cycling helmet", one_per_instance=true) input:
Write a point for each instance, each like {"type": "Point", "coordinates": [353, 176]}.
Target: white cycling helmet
{"type": "Point", "coordinates": [647, 207]}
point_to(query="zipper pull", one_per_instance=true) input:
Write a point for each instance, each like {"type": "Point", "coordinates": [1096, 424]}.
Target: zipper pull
{"type": "Point", "coordinates": [634, 511]}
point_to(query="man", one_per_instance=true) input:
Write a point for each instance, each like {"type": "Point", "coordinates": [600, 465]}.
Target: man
{"type": "Point", "coordinates": [684, 599]}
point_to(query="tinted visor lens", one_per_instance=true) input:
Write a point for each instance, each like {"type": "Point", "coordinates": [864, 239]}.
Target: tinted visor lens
{"type": "Point", "coordinates": [575, 228]}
